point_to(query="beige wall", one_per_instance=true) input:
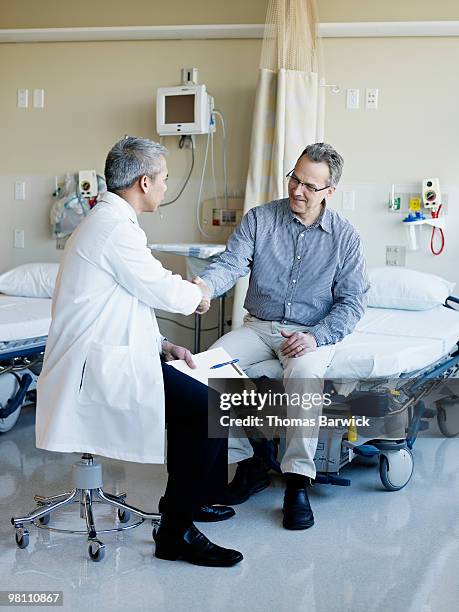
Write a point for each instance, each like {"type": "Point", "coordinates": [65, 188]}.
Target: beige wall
{"type": "Point", "coordinates": [94, 94]}
{"type": "Point", "coordinates": [97, 92]}
{"type": "Point", "coordinates": [387, 10]}
{"type": "Point", "coordinates": [55, 14]}
{"type": "Point", "coordinates": [68, 14]}
{"type": "Point", "coordinates": [413, 135]}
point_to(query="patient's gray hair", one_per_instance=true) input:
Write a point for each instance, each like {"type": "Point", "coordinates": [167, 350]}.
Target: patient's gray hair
{"type": "Point", "coordinates": [129, 159]}
{"type": "Point", "coordinates": [323, 152]}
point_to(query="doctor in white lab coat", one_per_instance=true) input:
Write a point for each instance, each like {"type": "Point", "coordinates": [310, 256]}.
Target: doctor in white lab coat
{"type": "Point", "coordinates": [101, 389]}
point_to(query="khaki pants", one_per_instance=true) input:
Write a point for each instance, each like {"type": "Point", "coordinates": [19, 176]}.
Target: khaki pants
{"type": "Point", "coordinates": [258, 341]}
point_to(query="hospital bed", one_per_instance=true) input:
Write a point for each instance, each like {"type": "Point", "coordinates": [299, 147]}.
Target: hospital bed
{"type": "Point", "coordinates": [24, 324]}
{"type": "Point", "coordinates": [391, 366]}
{"type": "Point", "coordinates": [398, 367]}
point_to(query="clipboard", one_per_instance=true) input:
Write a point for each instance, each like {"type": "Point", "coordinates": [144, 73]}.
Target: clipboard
{"type": "Point", "coordinates": [204, 361]}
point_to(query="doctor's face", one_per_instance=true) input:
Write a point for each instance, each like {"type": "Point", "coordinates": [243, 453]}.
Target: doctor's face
{"type": "Point", "coordinates": [158, 187]}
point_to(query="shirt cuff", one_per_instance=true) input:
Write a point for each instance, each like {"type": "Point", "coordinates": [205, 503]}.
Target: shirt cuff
{"type": "Point", "coordinates": [321, 335]}
{"type": "Point", "coordinates": [210, 285]}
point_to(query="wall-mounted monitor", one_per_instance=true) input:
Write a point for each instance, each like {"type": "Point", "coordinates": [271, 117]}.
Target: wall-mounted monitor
{"type": "Point", "coordinates": [186, 109]}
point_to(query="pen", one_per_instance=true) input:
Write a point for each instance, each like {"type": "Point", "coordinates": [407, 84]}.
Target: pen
{"type": "Point", "coordinates": [220, 365]}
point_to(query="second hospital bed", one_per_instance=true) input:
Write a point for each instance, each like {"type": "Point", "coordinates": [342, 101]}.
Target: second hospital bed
{"type": "Point", "coordinates": [24, 325]}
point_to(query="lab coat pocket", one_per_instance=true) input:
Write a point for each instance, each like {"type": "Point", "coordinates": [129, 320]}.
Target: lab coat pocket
{"type": "Point", "coordinates": [108, 377]}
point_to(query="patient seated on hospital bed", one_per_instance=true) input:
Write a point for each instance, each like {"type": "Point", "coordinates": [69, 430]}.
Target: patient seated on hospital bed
{"type": "Point", "coordinates": [399, 355]}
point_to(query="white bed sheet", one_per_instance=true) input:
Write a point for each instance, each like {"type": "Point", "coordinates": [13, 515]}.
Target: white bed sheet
{"type": "Point", "coordinates": [388, 342]}
{"type": "Point", "coordinates": [385, 343]}
{"type": "Point", "coordinates": [23, 318]}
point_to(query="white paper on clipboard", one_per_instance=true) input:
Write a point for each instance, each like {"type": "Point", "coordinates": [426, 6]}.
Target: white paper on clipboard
{"type": "Point", "coordinates": [204, 361]}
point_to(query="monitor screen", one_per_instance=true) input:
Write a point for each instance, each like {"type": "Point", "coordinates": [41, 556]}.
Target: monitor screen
{"type": "Point", "coordinates": [179, 109]}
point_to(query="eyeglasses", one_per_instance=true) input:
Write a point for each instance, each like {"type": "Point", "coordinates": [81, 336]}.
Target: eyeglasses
{"type": "Point", "coordinates": [296, 181]}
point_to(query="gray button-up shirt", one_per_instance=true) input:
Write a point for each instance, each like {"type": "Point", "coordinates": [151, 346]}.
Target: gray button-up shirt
{"type": "Point", "coordinates": [306, 275]}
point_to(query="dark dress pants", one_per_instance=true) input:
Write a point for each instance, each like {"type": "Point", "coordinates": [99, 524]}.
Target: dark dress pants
{"type": "Point", "coordinates": [197, 465]}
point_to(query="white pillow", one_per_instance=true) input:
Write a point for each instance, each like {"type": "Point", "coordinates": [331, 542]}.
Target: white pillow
{"type": "Point", "coordinates": [30, 280]}
{"type": "Point", "coordinates": [405, 289]}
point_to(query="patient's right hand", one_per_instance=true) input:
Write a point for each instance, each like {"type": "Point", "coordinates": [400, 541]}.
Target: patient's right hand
{"type": "Point", "coordinates": [206, 295]}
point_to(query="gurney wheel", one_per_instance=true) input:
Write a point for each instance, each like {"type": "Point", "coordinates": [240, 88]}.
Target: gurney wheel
{"type": "Point", "coordinates": [396, 468]}
{"type": "Point", "coordinates": [442, 420]}
{"type": "Point", "coordinates": [44, 520]}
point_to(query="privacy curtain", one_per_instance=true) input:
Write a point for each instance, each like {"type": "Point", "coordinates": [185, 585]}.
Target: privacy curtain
{"type": "Point", "coordinates": [289, 107]}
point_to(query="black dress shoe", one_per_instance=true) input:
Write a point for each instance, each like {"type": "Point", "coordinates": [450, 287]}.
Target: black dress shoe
{"type": "Point", "coordinates": [211, 514]}
{"type": "Point", "coordinates": [191, 545]}
{"type": "Point", "coordinates": [297, 509]}
{"type": "Point", "coordinates": [250, 478]}
{"type": "Point", "coordinates": [205, 514]}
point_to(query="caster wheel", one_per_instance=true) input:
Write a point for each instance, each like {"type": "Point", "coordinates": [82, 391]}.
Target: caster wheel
{"type": "Point", "coordinates": [96, 551]}
{"type": "Point", "coordinates": [44, 520]}
{"type": "Point", "coordinates": [447, 418]}
{"type": "Point", "coordinates": [124, 516]}
{"type": "Point", "coordinates": [22, 538]}
{"type": "Point", "coordinates": [396, 468]}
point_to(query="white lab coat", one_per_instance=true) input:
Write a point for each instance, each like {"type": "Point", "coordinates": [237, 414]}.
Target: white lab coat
{"type": "Point", "coordinates": [101, 387]}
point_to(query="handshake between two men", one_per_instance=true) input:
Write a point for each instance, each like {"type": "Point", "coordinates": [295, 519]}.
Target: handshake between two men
{"type": "Point", "coordinates": [206, 295]}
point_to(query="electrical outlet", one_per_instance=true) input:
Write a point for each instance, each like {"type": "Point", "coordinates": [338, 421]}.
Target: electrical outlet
{"type": "Point", "coordinates": [395, 255]}
{"type": "Point", "coordinates": [371, 99]}
{"type": "Point", "coordinates": [23, 98]}
{"type": "Point", "coordinates": [19, 190]}
{"type": "Point", "coordinates": [38, 98]}
{"type": "Point", "coordinates": [352, 99]}
{"type": "Point", "coordinates": [18, 239]}
{"type": "Point", "coordinates": [348, 200]}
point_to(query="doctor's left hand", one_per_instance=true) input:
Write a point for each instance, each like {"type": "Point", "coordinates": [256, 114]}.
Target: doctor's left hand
{"type": "Point", "coordinates": [173, 351]}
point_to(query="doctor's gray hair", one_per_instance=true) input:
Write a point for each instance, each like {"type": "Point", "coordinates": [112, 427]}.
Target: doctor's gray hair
{"type": "Point", "coordinates": [129, 159]}
{"type": "Point", "coordinates": [323, 152]}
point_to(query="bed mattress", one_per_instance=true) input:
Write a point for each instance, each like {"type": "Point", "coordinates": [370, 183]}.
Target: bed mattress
{"type": "Point", "coordinates": [389, 342]}
{"type": "Point", "coordinates": [385, 342]}
{"type": "Point", "coordinates": [23, 320]}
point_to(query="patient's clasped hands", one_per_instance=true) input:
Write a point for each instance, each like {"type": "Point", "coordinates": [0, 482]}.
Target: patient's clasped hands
{"type": "Point", "coordinates": [297, 343]}
{"type": "Point", "coordinates": [206, 295]}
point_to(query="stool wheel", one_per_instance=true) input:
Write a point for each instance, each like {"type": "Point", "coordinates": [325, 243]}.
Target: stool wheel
{"type": "Point", "coordinates": [124, 516]}
{"type": "Point", "coordinates": [96, 551]}
{"type": "Point", "coordinates": [22, 538]}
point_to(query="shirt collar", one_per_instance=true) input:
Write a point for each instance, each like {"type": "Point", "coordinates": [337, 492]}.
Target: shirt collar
{"type": "Point", "coordinates": [324, 221]}
{"type": "Point", "coordinates": [120, 204]}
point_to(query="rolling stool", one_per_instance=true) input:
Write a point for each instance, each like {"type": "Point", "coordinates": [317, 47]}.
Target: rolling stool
{"type": "Point", "coordinates": [87, 479]}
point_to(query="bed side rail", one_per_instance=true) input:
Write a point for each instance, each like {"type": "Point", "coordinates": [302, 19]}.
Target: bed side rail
{"type": "Point", "coordinates": [454, 300]}
{"type": "Point", "coordinates": [17, 400]}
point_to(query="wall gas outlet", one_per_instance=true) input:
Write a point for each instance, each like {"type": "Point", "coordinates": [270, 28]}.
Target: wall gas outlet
{"type": "Point", "coordinates": [87, 183]}
{"type": "Point", "coordinates": [431, 193]}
